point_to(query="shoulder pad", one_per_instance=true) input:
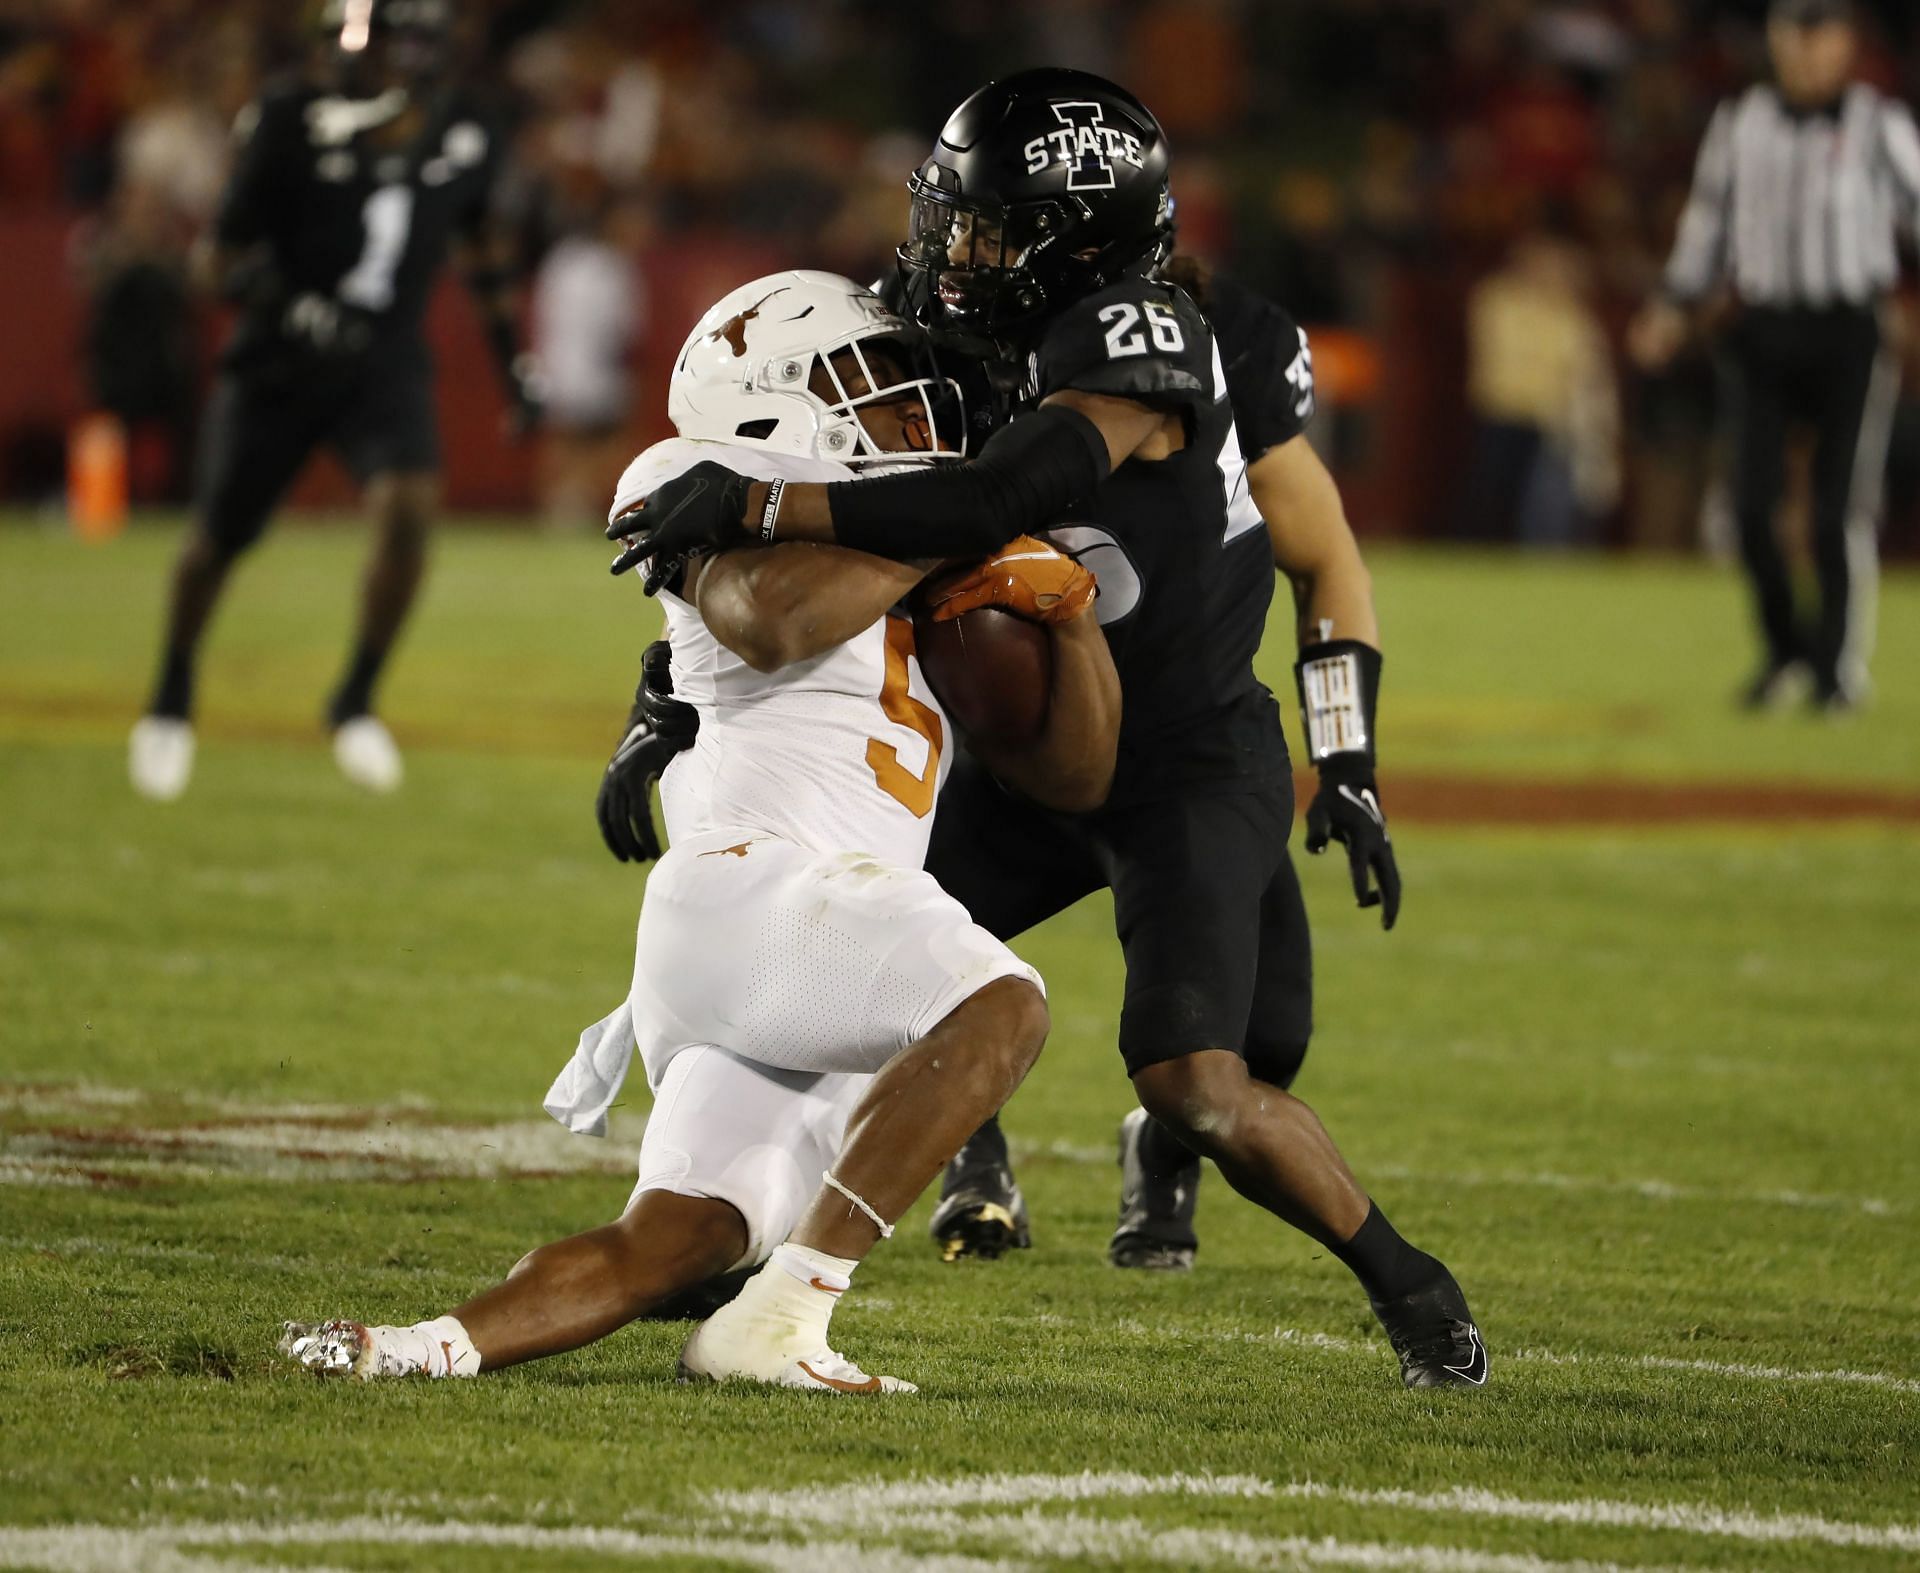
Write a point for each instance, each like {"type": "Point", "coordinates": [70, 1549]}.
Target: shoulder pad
{"type": "Point", "coordinates": [1139, 339]}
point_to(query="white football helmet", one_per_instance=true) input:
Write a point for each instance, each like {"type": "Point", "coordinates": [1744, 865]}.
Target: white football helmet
{"type": "Point", "coordinates": [745, 373]}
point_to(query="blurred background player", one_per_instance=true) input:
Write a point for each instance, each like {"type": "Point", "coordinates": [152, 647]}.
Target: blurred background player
{"type": "Point", "coordinates": [346, 196]}
{"type": "Point", "coordinates": [1269, 375]}
{"type": "Point", "coordinates": [1035, 231]}
{"type": "Point", "coordinates": [806, 1001]}
{"type": "Point", "coordinates": [1797, 198]}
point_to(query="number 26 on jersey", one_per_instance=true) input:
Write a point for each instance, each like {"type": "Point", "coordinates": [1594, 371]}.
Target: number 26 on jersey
{"type": "Point", "coordinates": [1126, 334]}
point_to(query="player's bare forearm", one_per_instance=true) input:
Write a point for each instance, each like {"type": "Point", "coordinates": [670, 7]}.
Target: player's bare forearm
{"type": "Point", "coordinates": [1070, 767]}
{"type": "Point", "coordinates": [1313, 545]}
{"type": "Point", "coordinates": [795, 600]}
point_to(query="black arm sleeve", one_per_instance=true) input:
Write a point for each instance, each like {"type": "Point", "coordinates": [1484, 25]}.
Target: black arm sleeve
{"type": "Point", "coordinates": [1027, 474]}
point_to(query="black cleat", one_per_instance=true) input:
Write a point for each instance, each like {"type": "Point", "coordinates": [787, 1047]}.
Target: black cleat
{"type": "Point", "coordinates": [1155, 1231]}
{"type": "Point", "coordinates": [702, 1300]}
{"type": "Point", "coordinates": [981, 1211]}
{"type": "Point", "coordinates": [1432, 1332]}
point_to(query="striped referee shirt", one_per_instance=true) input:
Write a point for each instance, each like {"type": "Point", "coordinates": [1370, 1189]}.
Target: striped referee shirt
{"type": "Point", "coordinates": [1799, 208]}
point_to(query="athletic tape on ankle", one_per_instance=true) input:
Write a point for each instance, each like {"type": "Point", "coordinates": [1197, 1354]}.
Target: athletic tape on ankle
{"type": "Point", "coordinates": [885, 1228]}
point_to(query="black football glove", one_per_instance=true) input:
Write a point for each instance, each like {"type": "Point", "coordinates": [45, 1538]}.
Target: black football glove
{"type": "Point", "coordinates": [658, 727]}
{"type": "Point", "coordinates": [326, 327]}
{"type": "Point", "coordinates": [699, 512]}
{"type": "Point", "coordinates": [1347, 809]}
{"type": "Point", "coordinates": [1339, 686]}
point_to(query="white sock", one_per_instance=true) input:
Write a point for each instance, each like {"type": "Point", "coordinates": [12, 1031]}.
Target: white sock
{"type": "Point", "coordinates": [800, 1287]}
{"type": "Point", "coordinates": [439, 1348]}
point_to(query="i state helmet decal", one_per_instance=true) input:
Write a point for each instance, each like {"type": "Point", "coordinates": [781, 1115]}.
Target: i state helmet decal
{"type": "Point", "coordinates": [1086, 144]}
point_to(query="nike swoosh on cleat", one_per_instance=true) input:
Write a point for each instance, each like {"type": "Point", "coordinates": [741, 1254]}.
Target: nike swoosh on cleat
{"type": "Point", "coordinates": [1475, 1371]}
{"type": "Point", "coordinates": [824, 1288]}
{"type": "Point", "coordinates": [838, 1384]}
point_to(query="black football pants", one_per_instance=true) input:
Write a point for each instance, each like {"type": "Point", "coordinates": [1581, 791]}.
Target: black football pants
{"type": "Point", "coordinates": [1823, 369]}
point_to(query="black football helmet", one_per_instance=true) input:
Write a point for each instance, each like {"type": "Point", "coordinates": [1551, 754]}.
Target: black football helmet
{"type": "Point", "coordinates": [1044, 187]}
{"type": "Point", "coordinates": [375, 41]}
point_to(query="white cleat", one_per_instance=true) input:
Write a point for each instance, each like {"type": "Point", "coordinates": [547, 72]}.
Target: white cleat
{"type": "Point", "coordinates": [335, 1349]}
{"type": "Point", "coordinates": [160, 757]}
{"type": "Point", "coordinates": [746, 1348]}
{"type": "Point", "coordinates": [364, 750]}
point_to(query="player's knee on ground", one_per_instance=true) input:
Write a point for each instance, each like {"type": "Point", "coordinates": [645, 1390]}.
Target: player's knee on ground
{"type": "Point", "coordinates": [1197, 1097]}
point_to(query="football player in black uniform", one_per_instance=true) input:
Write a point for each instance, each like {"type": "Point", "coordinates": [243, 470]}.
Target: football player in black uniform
{"type": "Point", "coordinates": [1036, 229]}
{"type": "Point", "coordinates": [1269, 378]}
{"type": "Point", "coordinates": [346, 197]}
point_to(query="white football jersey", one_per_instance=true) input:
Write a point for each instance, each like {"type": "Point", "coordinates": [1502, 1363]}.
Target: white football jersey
{"type": "Point", "coordinates": [845, 752]}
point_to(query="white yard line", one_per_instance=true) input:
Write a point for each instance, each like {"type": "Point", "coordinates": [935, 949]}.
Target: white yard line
{"type": "Point", "coordinates": [934, 1526]}
{"type": "Point", "coordinates": [169, 1548]}
{"type": "Point", "coordinates": [1685, 1517]}
{"type": "Point", "coordinates": [896, 1505]}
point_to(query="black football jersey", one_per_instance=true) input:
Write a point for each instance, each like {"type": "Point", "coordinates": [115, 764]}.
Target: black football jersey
{"type": "Point", "coordinates": [367, 225]}
{"type": "Point", "coordinates": [1181, 552]}
{"type": "Point", "coordinates": [1268, 364]}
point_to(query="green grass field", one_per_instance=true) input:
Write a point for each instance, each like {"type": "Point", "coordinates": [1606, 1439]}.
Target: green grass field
{"type": "Point", "coordinates": [277, 1050]}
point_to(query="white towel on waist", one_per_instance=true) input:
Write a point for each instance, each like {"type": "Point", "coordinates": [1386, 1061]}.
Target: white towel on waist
{"type": "Point", "coordinates": [586, 1087]}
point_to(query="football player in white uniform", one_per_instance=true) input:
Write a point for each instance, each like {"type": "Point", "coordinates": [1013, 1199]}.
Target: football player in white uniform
{"type": "Point", "coordinates": [821, 1025]}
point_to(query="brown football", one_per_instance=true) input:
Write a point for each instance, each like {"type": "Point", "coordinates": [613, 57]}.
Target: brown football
{"type": "Point", "coordinates": [992, 671]}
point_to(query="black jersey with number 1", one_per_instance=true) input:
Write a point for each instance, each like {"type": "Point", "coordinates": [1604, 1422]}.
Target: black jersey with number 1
{"type": "Point", "coordinates": [345, 217]}
{"type": "Point", "coordinates": [1181, 553]}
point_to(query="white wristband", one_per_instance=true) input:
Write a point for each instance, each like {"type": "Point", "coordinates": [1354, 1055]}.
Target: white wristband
{"type": "Point", "coordinates": [770, 510]}
{"type": "Point", "coordinates": [1335, 706]}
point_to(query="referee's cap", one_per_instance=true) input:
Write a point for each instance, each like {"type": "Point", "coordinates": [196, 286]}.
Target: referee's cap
{"type": "Point", "coordinates": [1810, 13]}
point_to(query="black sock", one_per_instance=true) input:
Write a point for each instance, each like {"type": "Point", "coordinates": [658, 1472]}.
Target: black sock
{"type": "Point", "coordinates": [1385, 1264]}
{"type": "Point", "coordinates": [173, 694]}
{"type": "Point", "coordinates": [988, 1145]}
{"type": "Point", "coordinates": [1162, 1153]}
{"type": "Point", "coordinates": [354, 696]}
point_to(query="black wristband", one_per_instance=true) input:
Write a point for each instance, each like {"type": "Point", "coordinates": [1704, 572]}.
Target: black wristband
{"type": "Point", "coordinates": [1029, 472]}
{"type": "Point", "coordinates": [1338, 681]}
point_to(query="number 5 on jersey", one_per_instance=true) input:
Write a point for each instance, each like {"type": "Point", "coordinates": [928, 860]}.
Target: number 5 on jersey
{"type": "Point", "coordinates": [911, 792]}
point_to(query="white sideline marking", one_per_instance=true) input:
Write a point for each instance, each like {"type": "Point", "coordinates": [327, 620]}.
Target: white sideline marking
{"type": "Point", "coordinates": [168, 1548]}
{"type": "Point", "coordinates": [828, 1504]}
{"type": "Point", "coordinates": [1651, 1188]}
{"type": "Point", "coordinates": [904, 1504]}
{"type": "Point", "coordinates": [767, 1529]}
{"type": "Point", "coordinates": [159, 1548]}
{"type": "Point", "coordinates": [1688, 1518]}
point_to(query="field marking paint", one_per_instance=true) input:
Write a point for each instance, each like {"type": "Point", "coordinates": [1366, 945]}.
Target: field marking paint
{"type": "Point", "coordinates": [170, 1548]}
{"type": "Point", "coordinates": [1687, 1518]}
{"type": "Point", "coordinates": [294, 1151]}
{"type": "Point", "coordinates": [765, 1529]}
{"type": "Point", "coordinates": [901, 1504]}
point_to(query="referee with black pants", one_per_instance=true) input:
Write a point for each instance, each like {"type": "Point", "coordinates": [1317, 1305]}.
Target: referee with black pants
{"type": "Point", "coordinates": [1800, 188]}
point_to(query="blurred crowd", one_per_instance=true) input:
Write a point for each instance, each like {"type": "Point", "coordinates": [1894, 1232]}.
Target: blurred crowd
{"type": "Point", "coordinates": [1500, 177]}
